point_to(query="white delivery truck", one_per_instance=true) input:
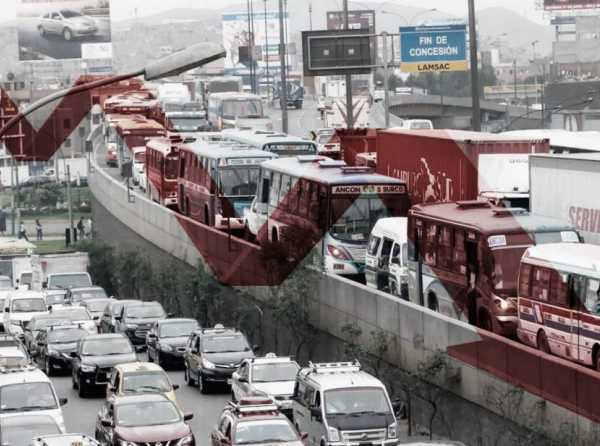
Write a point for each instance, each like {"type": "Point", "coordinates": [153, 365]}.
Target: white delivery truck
{"type": "Point", "coordinates": [565, 186]}
{"type": "Point", "coordinates": [78, 169]}
{"type": "Point", "coordinates": [503, 179]}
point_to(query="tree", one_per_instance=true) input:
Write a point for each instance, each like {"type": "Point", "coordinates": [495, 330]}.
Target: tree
{"type": "Point", "coordinates": [102, 264]}
{"type": "Point", "coordinates": [134, 275]}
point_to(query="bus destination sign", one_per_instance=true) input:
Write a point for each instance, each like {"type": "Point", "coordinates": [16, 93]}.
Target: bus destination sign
{"type": "Point", "coordinates": [357, 189]}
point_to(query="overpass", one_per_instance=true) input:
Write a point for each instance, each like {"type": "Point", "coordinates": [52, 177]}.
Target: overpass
{"type": "Point", "coordinates": [449, 112]}
{"type": "Point", "coordinates": [479, 363]}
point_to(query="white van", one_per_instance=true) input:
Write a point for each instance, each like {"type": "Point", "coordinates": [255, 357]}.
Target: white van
{"type": "Point", "coordinates": [20, 307]}
{"type": "Point", "coordinates": [139, 167]}
{"type": "Point", "coordinates": [337, 404]}
{"type": "Point", "coordinates": [30, 391]}
{"type": "Point", "coordinates": [386, 262]}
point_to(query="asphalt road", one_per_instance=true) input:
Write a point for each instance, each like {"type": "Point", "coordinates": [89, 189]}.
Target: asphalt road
{"type": "Point", "coordinates": [80, 413]}
{"type": "Point", "coordinates": [300, 122]}
{"type": "Point", "coordinates": [54, 46]}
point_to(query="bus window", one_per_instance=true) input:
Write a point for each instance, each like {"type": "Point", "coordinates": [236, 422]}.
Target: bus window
{"type": "Point", "coordinates": [460, 257]}
{"type": "Point", "coordinates": [540, 285]}
{"type": "Point", "coordinates": [592, 296]}
{"type": "Point", "coordinates": [284, 199]}
{"type": "Point", "coordinates": [430, 244]}
{"type": "Point", "coordinates": [373, 245]}
{"type": "Point", "coordinates": [265, 188]}
{"type": "Point", "coordinates": [171, 168]}
{"type": "Point", "coordinates": [444, 254]}
{"type": "Point", "coordinates": [386, 249]}
{"type": "Point", "coordinates": [396, 251]}
{"type": "Point", "coordinates": [525, 280]}
{"type": "Point", "coordinates": [559, 289]}
{"type": "Point", "coordinates": [274, 195]}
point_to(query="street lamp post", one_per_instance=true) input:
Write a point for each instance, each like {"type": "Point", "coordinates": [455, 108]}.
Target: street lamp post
{"type": "Point", "coordinates": [267, 51]}
{"type": "Point", "coordinates": [476, 107]}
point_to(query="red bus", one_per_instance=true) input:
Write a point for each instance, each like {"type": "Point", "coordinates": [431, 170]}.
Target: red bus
{"type": "Point", "coordinates": [468, 254]}
{"type": "Point", "coordinates": [559, 301]}
{"type": "Point", "coordinates": [134, 103]}
{"type": "Point", "coordinates": [162, 161]}
{"type": "Point", "coordinates": [218, 181]}
{"type": "Point", "coordinates": [133, 131]}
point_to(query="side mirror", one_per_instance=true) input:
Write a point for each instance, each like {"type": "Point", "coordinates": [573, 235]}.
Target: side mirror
{"type": "Point", "coordinates": [256, 347]}
{"type": "Point", "coordinates": [188, 416]}
{"type": "Point", "coordinates": [118, 318]}
{"type": "Point", "coordinates": [40, 344]}
{"type": "Point", "coordinates": [73, 354]}
{"type": "Point", "coordinates": [395, 260]}
{"type": "Point", "coordinates": [45, 284]}
{"type": "Point", "coordinates": [96, 318]}
{"type": "Point", "coordinates": [49, 307]}
{"type": "Point", "coordinates": [399, 409]}
{"type": "Point", "coordinates": [170, 314]}
{"type": "Point", "coordinates": [63, 401]}
{"type": "Point", "coordinates": [175, 386]}
{"type": "Point", "coordinates": [225, 441]}
{"type": "Point", "coordinates": [7, 310]}
{"type": "Point", "coordinates": [315, 412]}
{"type": "Point", "coordinates": [106, 423]}
{"type": "Point", "coordinates": [151, 336]}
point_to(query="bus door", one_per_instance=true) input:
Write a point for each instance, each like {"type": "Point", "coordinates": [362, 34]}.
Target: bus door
{"type": "Point", "coordinates": [472, 272]}
{"type": "Point", "coordinates": [588, 291]}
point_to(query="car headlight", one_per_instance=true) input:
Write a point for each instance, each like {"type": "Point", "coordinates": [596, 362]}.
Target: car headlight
{"type": "Point", "coordinates": [333, 434]}
{"type": "Point", "coordinates": [131, 326]}
{"type": "Point", "coordinates": [86, 368]}
{"type": "Point", "coordinates": [392, 430]}
{"type": "Point", "coordinates": [165, 347]}
{"type": "Point", "coordinates": [206, 363]}
{"type": "Point", "coordinates": [185, 441]}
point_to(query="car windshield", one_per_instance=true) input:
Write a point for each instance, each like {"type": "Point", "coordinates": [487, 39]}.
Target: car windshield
{"type": "Point", "coordinates": [27, 396]}
{"type": "Point", "coordinates": [40, 324]}
{"type": "Point", "coordinates": [354, 219]}
{"type": "Point", "coordinates": [69, 280]}
{"type": "Point", "coordinates": [74, 314]}
{"type": "Point", "coordinates": [65, 335]}
{"type": "Point", "coordinates": [356, 401]}
{"type": "Point", "coordinates": [265, 373]}
{"type": "Point", "coordinates": [145, 311]}
{"type": "Point", "coordinates": [146, 382]}
{"type": "Point", "coordinates": [177, 329]}
{"type": "Point", "coordinates": [78, 296]}
{"type": "Point", "coordinates": [96, 305]}
{"type": "Point", "coordinates": [106, 346]}
{"type": "Point", "coordinates": [226, 343]}
{"type": "Point", "coordinates": [21, 434]}
{"type": "Point", "coordinates": [325, 138]}
{"type": "Point", "coordinates": [53, 299]}
{"type": "Point", "coordinates": [29, 305]}
{"type": "Point", "coordinates": [238, 181]}
{"type": "Point", "coordinates": [184, 124]}
{"type": "Point", "coordinates": [264, 431]}
{"type": "Point", "coordinates": [68, 14]}
{"type": "Point", "coordinates": [235, 108]}
{"type": "Point", "coordinates": [5, 283]}
{"type": "Point", "coordinates": [152, 413]}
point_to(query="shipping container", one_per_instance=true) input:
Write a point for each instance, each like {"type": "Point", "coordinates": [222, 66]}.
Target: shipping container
{"type": "Point", "coordinates": [566, 186]}
{"type": "Point", "coordinates": [441, 165]}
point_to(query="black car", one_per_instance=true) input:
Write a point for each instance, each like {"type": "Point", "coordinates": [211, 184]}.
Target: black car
{"type": "Point", "coordinates": [136, 320]}
{"type": "Point", "coordinates": [76, 295]}
{"type": "Point", "coordinates": [166, 340]}
{"type": "Point", "coordinates": [55, 346]}
{"type": "Point", "coordinates": [213, 354]}
{"type": "Point", "coordinates": [40, 323]}
{"type": "Point", "coordinates": [108, 321]}
{"type": "Point", "coordinates": [95, 357]}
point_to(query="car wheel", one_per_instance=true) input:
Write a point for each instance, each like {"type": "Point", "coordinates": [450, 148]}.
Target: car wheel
{"type": "Point", "coordinates": [42, 31]}
{"type": "Point", "coordinates": [187, 377]}
{"type": "Point", "coordinates": [67, 34]}
{"type": "Point", "coordinates": [203, 385]}
{"type": "Point", "coordinates": [73, 382]}
{"type": "Point", "coordinates": [150, 358]}
{"type": "Point", "coordinates": [83, 392]}
{"type": "Point", "coordinates": [48, 367]}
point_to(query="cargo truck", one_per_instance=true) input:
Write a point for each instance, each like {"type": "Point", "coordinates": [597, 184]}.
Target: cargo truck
{"type": "Point", "coordinates": [566, 186]}
{"type": "Point", "coordinates": [442, 165]}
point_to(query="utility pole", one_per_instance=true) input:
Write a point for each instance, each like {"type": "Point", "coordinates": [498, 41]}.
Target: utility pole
{"type": "Point", "coordinates": [386, 86]}
{"type": "Point", "coordinates": [253, 50]}
{"type": "Point", "coordinates": [476, 107]}
{"type": "Point", "coordinates": [310, 14]}
{"type": "Point", "coordinates": [250, 51]}
{"type": "Point", "coordinates": [282, 70]}
{"type": "Point", "coordinates": [266, 52]}
{"type": "Point", "coordinates": [515, 78]}
{"type": "Point", "coordinates": [349, 104]}
{"type": "Point", "coordinates": [70, 203]}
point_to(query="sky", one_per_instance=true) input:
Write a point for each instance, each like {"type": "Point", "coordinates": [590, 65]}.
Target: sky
{"type": "Point", "coordinates": [123, 9]}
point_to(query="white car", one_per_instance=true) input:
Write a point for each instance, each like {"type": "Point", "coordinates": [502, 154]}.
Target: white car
{"type": "Point", "coordinates": [78, 316]}
{"type": "Point", "coordinates": [67, 23]}
{"type": "Point", "coordinates": [273, 376]}
{"type": "Point", "coordinates": [20, 307]}
{"type": "Point", "coordinates": [139, 167]}
{"type": "Point", "coordinates": [29, 392]}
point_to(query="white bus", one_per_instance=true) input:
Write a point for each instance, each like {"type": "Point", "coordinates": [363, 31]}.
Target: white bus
{"type": "Point", "coordinates": [559, 301]}
{"type": "Point", "coordinates": [278, 143]}
{"type": "Point", "coordinates": [315, 200]}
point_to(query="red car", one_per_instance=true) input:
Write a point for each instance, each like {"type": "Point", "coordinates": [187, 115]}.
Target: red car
{"type": "Point", "coordinates": [143, 419]}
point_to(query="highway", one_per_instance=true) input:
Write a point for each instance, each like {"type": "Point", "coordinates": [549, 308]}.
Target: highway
{"type": "Point", "coordinates": [80, 413]}
{"type": "Point", "coordinates": [300, 122]}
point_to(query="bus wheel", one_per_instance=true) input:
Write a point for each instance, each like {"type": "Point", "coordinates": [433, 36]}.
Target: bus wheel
{"type": "Point", "coordinates": [187, 207]}
{"type": "Point", "coordinates": [274, 235]}
{"type": "Point", "coordinates": [432, 302]}
{"type": "Point", "coordinates": [206, 218]}
{"type": "Point", "coordinates": [542, 342]}
{"type": "Point", "coordinates": [596, 357]}
{"type": "Point", "coordinates": [485, 321]}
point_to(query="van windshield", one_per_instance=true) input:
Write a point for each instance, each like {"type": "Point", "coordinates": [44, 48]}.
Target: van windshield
{"type": "Point", "coordinates": [69, 280]}
{"type": "Point", "coordinates": [242, 109]}
{"type": "Point", "coordinates": [356, 401]}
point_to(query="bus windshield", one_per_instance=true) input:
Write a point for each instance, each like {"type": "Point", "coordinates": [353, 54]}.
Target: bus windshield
{"type": "Point", "coordinates": [353, 219]}
{"type": "Point", "coordinates": [238, 181]}
{"type": "Point", "coordinates": [307, 148]}
{"type": "Point", "coordinates": [171, 165]}
{"type": "Point", "coordinates": [242, 109]}
{"type": "Point", "coordinates": [506, 267]}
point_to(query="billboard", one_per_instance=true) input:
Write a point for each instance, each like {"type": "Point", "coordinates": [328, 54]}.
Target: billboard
{"type": "Point", "coordinates": [557, 5]}
{"type": "Point", "coordinates": [360, 19]}
{"type": "Point", "coordinates": [63, 29]}
{"type": "Point", "coordinates": [266, 39]}
{"type": "Point", "coordinates": [433, 48]}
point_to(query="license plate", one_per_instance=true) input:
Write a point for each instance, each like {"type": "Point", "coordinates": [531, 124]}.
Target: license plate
{"type": "Point", "coordinates": [229, 381]}
{"type": "Point", "coordinates": [338, 266]}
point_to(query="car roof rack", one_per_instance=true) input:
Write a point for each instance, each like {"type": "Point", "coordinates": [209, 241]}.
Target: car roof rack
{"type": "Point", "coordinates": [247, 406]}
{"type": "Point", "coordinates": [218, 328]}
{"type": "Point", "coordinates": [25, 368]}
{"type": "Point", "coordinates": [335, 367]}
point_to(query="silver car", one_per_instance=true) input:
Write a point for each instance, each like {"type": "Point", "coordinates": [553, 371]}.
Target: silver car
{"type": "Point", "coordinates": [68, 24]}
{"type": "Point", "coordinates": [272, 376]}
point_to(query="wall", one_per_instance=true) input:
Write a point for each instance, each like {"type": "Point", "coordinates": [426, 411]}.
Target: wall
{"type": "Point", "coordinates": [556, 391]}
